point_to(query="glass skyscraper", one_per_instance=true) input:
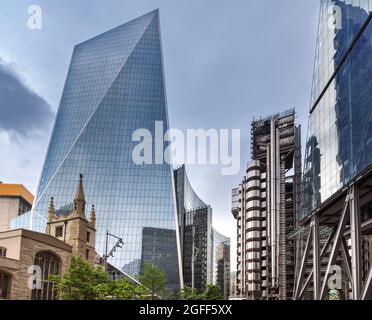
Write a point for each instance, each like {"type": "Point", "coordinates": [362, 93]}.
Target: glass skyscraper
{"type": "Point", "coordinates": [195, 224]}
{"type": "Point", "coordinates": [221, 262]}
{"type": "Point", "coordinates": [339, 142]}
{"type": "Point", "coordinates": [115, 85]}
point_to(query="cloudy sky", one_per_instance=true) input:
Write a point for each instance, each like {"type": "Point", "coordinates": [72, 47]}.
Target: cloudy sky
{"type": "Point", "coordinates": [225, 61]}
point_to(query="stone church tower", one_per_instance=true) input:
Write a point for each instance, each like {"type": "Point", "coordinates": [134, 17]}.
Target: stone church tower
{"type": "Point", "coordinates": [73, 227]}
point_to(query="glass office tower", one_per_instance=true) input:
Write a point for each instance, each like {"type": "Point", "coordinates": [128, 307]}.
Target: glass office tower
{"type": "Point", "coordinates": [221, 262]}
{"type": "Point", "coordinates": [115, 85]}
{"type": "Point", "coordinates": [339, 142]}
{"type": "Point", "coordinates": [195, 224]}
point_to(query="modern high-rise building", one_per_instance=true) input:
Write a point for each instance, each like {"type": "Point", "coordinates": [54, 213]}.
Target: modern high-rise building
{"type": "Point", "coordinates": [115, 85]}
{"type": "Point", "coordinates": [336, 209]}
{"type": "Point", "coordinates": [221, 262]}
{"type": "Point", "coordinates": [233, 286]}
{"type": "Point", "coordinates": [339, 143]}
{"type": "Point", "coordinates": [265, 206]}
{"type": "Point", "coordinates": [195, 225]}
{"type": "Point", "coordinates": [15, 200]}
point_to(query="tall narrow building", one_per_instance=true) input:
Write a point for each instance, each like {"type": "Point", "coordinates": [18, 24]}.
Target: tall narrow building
{"type": "Point", "coordinates": [115, 85]}
{"type": "Point", "coordinates": [265, 206]}
{"type": "Point", "coordinates": [221, 262]}
{"type": "Point", "coordinates": [195, 224]}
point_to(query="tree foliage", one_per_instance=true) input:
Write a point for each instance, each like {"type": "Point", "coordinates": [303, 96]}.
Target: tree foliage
{"type": "Point", "coordinates": [188, 293]}
{"type": "Point", "coordinates": [154, 279]}
{"type": "Point", "coordinates": [120, 289]}
{"type": "Point", "coordinates": [212, 292]}
{"type": "Point", "coordinates": [84, 282]}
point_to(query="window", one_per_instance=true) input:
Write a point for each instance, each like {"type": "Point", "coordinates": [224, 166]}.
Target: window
{"type": "Point", "coordinates": [59, 232]}
{"type": "Point", "coordinates": [88, 236]}
{"type": "Point", "coordinates": [5, 285]}
{"type": "Point", "coordinates": [87, 254]}
{"type": "Point", "coordinates": [49, 264]}
{"type": "Point", "coordinates": [2, 252]}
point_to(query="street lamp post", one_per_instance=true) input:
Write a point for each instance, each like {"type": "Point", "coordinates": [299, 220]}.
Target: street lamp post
{"type": "Point", "coordinates": [118, 244]}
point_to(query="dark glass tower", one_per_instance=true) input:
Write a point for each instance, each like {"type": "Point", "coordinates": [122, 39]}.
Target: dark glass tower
{"type": "Point", "coordinates": [339, 142]}
{"type": "Point", "coordinates": [115, 85]}
{"type": "Point", "coordinates": [195, 224]}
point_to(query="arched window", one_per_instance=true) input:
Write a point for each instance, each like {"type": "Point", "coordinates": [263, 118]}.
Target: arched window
{"type": "Point", "coordinates": [3, 252]}
{"type": "Point", "coordinates": [5, 285]}
{"type": "Point", "coordinates": [49, 264]}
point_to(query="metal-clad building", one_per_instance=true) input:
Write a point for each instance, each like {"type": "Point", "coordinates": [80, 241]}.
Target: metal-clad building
{"type": "Point", "coordinates": [265, 206]}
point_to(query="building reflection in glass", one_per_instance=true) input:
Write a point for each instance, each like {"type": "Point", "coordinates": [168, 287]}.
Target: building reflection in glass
{"type": "Point", "coordinates": [160, 249]}
{"type": "Point", "coordinates": [339, 145]}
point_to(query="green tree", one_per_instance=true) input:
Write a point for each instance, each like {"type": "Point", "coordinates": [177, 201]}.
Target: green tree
{"type": "Point", "coordinates": [153, 278]}
{"type": "Point", "coordinates": [120, 289]}
{"type": "Point", "coordinates": [81, 281]}
{"type": "Point", "coordinates": [213, 292]}
{"type": "Point", "coordinates": [188, 293]}
{"type": "Point", "coordinates": [84, 282]}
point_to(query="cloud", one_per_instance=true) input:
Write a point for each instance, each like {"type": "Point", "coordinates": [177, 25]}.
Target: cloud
{"type": "Point", "coordinates": [22, 110]}
{"type": "Point", "coordinates": [21, 162]}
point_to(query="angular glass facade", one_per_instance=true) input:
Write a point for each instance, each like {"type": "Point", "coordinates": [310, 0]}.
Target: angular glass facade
{"type": "Point", "coordinates": [115, 85]}
{"type": "Point", "coordinates": [339, 142]}
{"type": "Point", "coordinates": [195, 225]}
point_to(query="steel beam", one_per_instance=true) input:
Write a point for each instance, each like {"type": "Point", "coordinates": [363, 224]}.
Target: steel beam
{"type": "Point", "coordinates": [324, 250]}
{"type": "Point", "coordinates": [316, 256]}
{"type": "Point", "coordinates": [356, 246]}
{"type": "Point", "coordinates": [337, 241]}
{"type": "Point", "coordinates": [327, 243]}
{"type": "Point", "coordinates": [306, 284]}
{"type": "Point", "coordinates": [303, 263]}
{"type": "Point", "coordinates": [346, 258]}
{"type": "Point", "coordinates": [367, 290]}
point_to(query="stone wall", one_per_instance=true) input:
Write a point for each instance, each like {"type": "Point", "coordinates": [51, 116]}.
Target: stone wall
{"type": "Point", "coordinates": [32, 243]}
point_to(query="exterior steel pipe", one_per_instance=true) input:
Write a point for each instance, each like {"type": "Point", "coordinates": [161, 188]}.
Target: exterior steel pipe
{"type": "Point", "coordinates": [316, 256]}
{"type": "Point", "coordinates": [273, 202]}
{"type": "Point", "coordinates": [355, 236]}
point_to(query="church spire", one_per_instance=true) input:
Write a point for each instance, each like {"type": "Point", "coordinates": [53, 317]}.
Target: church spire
{"type": "Point", "coordinates": [51, 210]}
{"type": "Point", "coordinates": [92, 217]}
{"type": "Point", "coordinates": [79, 201]}
{"type": "Point", "coordinates": [80, 190]}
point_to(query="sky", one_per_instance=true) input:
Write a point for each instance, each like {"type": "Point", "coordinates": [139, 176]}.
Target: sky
{"type": "Point", "coordinates": [226, 62]}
